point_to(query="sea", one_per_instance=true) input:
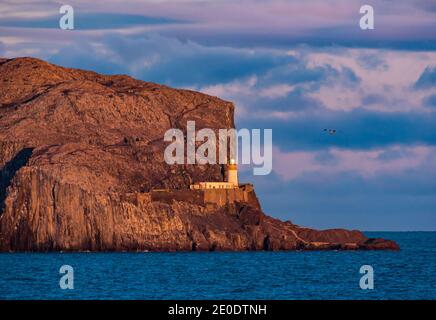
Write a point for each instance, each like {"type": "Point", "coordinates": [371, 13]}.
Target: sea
{"type": "Point", "coordinates": [406, 274]}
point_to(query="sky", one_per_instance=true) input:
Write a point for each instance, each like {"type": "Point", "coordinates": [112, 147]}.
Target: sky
{"type": "Point", "coordinates": [295, 67]}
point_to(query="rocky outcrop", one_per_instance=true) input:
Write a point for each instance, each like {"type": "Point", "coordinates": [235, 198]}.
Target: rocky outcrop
{"type": "Point", "coordinates": [80, 153]}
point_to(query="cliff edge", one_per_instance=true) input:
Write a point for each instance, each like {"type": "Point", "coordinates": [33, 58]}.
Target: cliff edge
{"type": "Point", "coordinates": [80, 156]}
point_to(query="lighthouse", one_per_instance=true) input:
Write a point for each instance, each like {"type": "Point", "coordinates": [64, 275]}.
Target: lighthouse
{"type": "Point", "coordinates": [232, 173]}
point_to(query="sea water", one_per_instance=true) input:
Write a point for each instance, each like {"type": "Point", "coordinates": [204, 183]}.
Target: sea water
{"type": "Point", "coordinates": [406, 274]}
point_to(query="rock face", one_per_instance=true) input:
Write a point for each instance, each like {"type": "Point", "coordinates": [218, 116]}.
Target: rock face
{"type": "Point", "coordinates": [81, 152]}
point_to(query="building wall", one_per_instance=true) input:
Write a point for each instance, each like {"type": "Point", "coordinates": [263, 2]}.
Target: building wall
{"type": "Point", "coordinates": [168, 196]}
{"type": "Point", "coordinates": [221, 197]}
{"type": "Point", "coordinates": [212, 185]}
{"type": "Point", "coordinates": [208, 197]}
{"type": "Point", "coordinates": [232, 176]}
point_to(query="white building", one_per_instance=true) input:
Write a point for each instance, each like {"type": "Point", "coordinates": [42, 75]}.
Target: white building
{"type": "Point", "coordinates": [231, 177]}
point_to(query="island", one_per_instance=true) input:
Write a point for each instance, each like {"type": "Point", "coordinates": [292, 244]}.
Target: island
{"type": "Point", "coordinates": [82, 169]}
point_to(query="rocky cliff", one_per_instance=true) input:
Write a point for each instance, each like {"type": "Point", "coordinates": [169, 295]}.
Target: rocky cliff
{"type": "Point", "coordinates": [80, 153]}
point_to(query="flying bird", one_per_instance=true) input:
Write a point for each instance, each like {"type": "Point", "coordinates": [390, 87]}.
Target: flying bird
{"type": "Point", "coordinates": [331, 131]}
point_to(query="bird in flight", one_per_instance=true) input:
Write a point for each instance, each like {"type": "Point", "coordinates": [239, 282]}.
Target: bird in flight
{"type": "Point", "coordinates": [331, 131]}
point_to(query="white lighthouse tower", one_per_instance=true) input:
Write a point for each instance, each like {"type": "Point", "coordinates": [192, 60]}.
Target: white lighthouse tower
{"type": "Point", "coordinates": [232, 173]}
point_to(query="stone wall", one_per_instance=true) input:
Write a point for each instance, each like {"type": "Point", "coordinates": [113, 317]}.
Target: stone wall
{"type": "Point", "coordinates": [169, 195]}
{"type": "Point", "coordinates": [208, 197]}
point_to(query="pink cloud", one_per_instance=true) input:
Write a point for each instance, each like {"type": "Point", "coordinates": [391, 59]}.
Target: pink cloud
{"type": "Point", "coordinates": [290, 165]}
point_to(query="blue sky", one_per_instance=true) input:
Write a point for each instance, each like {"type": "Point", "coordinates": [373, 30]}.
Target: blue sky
{"type": "Point", "coordinates": [296, 67]}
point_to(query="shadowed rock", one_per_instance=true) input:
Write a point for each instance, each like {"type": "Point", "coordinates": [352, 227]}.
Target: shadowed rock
{"type": "Point", "coordinates": [8, 172]}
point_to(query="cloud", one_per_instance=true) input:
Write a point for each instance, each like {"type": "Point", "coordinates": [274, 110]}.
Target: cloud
{"type": "Point", "coordinates": [170, 61]}
{"type": "Point", "coordinates": [386, 79]}
{"type": "Point", "coordinates": [427, 79]}
{"type": "Point", "coordinates": [430, 101]}
{"type": "Point", "coordinates": [403, 24]}
{"type": "Point", "coordinates": [366, 163]}
{"type": "Point", "coordinates": [89, 21]}
{"type": "Point", "coordinates": [406, 25]}
{"type": "Point", "coordinates": [333, 79]}
{"type": "Point", "coordinates": [400, 199]}
{"type": "Point", "coordinates": [372, 61]}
